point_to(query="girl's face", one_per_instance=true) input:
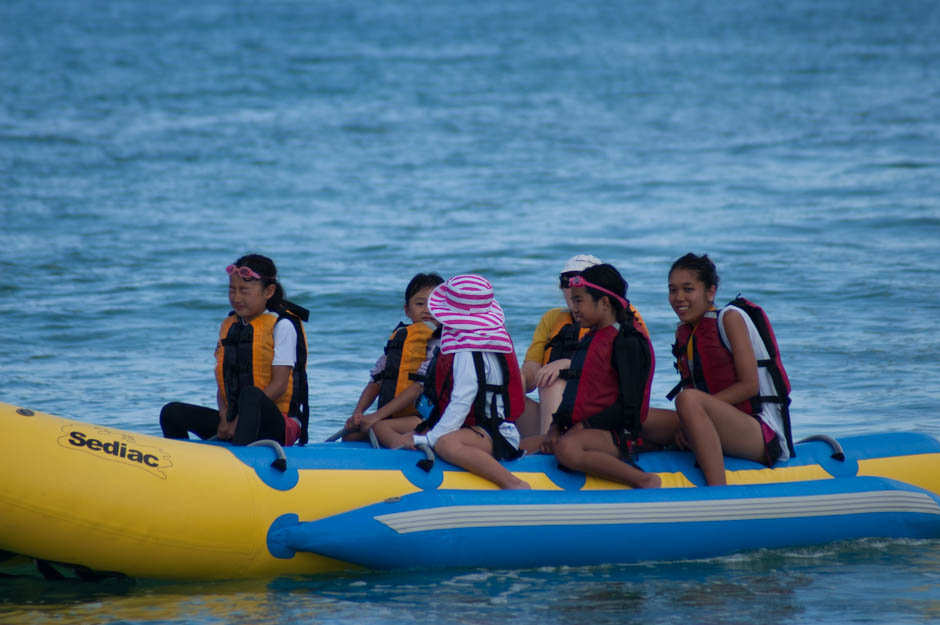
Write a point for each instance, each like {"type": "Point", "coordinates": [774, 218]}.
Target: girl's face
{"type": "Point", "coordinates": [247, 297]}
{"type": "Point", "coordinates": [417, 307]}
{"type": "Point", "coordinates": [688, 296]}
{"type": "Point", "coordinates": [566, 293]}
{"type": "Point", "coordinates": [589, 312]}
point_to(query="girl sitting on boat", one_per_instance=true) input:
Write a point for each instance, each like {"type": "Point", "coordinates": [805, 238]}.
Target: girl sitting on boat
{"type": "Point", "coordinates": [396, 371]}
{"type": "Point", "coordinates": [604, 390]}
{"type": "Point", "coordinates": [261, 360]}
{"type": "Point", "coordinates": [554, 340]}
{"type": "Point", "coordinates": [473, 384]}
{"type": "Point", "coordinates": [717, 353]}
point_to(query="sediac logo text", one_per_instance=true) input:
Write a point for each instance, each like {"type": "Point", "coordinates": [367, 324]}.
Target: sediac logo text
{"type": "Point", "coordinates": [118, 447]}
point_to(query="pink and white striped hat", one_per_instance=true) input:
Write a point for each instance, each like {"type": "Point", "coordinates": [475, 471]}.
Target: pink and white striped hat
{"type": "Point", "coordinates": [472, 319]}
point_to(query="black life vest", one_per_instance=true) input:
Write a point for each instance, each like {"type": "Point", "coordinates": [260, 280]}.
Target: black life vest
{"type": "Point", "coordinates": [565, 341]}
{"type": "Point", "coordinates": [405, 350]}
{"type": "Point", "coordinates": [245, 360]}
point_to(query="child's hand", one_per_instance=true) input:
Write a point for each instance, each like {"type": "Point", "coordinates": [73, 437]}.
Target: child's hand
{"type": "Point", "coordinates": [549, 373]}
{"type": "Point", "coordinates": [226, 429]}
{"type": "Point", "coordinates": [551, 438]}
{"type": "Point", "coordinates": [352, 423]}
{"type": "Point", "coordinates": [367, 421]}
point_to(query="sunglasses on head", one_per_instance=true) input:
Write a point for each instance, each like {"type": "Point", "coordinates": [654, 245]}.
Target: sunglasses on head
{"type": "Point", "coordinates": [245, 273]}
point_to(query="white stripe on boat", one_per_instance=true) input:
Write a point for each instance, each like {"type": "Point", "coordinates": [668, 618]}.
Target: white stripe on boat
{"type": "Point", "coordinates": [497, 515]}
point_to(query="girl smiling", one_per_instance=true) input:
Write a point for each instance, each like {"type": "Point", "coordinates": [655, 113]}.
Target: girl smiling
{"type": "Point", "coordinates": [717, 353]}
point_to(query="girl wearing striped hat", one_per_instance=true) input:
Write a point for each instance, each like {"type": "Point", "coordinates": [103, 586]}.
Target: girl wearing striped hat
{"type": "Point", "coordinates": [473, 384]}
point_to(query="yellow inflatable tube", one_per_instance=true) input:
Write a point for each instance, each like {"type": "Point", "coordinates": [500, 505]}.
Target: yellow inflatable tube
{"type": "Point", "coordinates": [107, 500]}
{"type": "Point", "coordinates": [151, 507]}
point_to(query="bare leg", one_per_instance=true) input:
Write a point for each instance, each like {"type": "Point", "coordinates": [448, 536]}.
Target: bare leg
{"type": "Point", "coordinates": [355, 436]}
{"type": "Point", "coordinates": [714, 428]}
{"type": "Point", "coordinates": [528, 421]}
{"type": "Point", "coordinates": [593, 451]}
{"type": "Point", "coordinates": [472, 449]}
{"type": "Point", "coordinates": [531, 444]}
{"type": "Point", "coordinates": [390, 431]}
{"type": "Point", "coordinates": [660, 426]}
{"type": "Point", "coordinates": [549, 399]}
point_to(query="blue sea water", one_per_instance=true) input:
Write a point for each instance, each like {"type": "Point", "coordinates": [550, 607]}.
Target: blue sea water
{"type": "Point", "coordinates": [144, 146]}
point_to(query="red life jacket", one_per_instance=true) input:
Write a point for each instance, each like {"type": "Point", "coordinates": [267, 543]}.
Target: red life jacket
{"type": "Point", "coordinates": [566, 334]}
{"type": "Point", "coordinates": [711, 369]}
{"type": "Point", "coordinates": [440, 382]}
{"type": "Point", "coordinates": [593, 382]}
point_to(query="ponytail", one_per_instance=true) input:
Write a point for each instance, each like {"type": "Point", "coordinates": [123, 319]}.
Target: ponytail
{"type": "Point", "coordinates": [625, 316]}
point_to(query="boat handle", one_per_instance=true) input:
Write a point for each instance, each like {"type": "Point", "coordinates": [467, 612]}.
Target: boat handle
{"type": "Point", "coordinates": [280, 463]}
{"type": "Point", "coordinates": [426, 463]}
{"type": "Point", "coordinates": [837, 453]}
{"type": "Point", "coordinates": [340, 433]}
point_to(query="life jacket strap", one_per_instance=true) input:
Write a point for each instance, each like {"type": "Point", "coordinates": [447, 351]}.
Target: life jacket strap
{"type": "Point", "coordinates": [569, 374]}
{"type": "Point", "coordinates": [677, 388]}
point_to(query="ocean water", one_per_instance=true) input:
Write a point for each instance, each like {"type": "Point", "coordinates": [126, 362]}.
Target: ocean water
{"type": "Point", "coordinates": [144, 146]}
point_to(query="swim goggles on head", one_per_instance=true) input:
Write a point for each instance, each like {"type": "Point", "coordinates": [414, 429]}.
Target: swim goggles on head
{"type": "Point", "coordinates": [245, 273]}
{"type": "Point", "coordinates": [579, 281]}
{"type": "Point", "coordinates": [565, 277]}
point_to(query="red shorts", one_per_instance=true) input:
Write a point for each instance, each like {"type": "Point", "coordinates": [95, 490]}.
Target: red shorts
{"type": "Point", "coordinates": [772, 448]}
{"type": "Point", "coordinates": [291, 430]}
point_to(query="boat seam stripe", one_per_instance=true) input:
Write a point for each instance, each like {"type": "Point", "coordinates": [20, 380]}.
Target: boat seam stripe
{"type": "Point", "coordinates": [497, 515]}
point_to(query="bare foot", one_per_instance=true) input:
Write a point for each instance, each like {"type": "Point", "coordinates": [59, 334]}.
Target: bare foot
{"type": "Point", "coordinates": [649, 480]}
{"type": "Point", "coordinates": [517, 484]}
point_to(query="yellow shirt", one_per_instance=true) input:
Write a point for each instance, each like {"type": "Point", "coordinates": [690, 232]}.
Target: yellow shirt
{"type": "Point", "coordinates": [544, 331]}
{"type": "Point", "coordinates": [549, 325]}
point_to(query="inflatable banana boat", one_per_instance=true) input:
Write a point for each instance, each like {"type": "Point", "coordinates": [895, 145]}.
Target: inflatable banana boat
{"type": "Point", "coordinates": [101, 500]}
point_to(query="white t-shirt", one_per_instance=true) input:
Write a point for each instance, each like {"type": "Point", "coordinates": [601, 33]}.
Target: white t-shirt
{"type": "Point", "coordinates": [285, 343]}
{"type": "Point", "coordinates": [462, 395]}
{"type": "Point", "coordinates": [770, 413]}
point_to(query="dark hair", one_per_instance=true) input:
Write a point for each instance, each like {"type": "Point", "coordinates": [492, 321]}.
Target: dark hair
{"type": "Point", "coordinates": [608, 277]}
{"type": "Point", "coordinates": [264, 267]}
{"type": "Point", "coordinates": [702, 266]}
{"type": "Point", "coordinates": [420, 282]}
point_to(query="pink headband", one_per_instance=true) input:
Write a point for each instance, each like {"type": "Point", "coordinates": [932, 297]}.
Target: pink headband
{"type": "Point", "coordinates": [579, 281]}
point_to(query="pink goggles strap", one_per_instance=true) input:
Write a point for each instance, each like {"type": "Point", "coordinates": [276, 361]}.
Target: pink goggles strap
{"type": "Point", "coordinates": [246, 273]}
{"type": "Point", "coordinates": [576, 281]}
